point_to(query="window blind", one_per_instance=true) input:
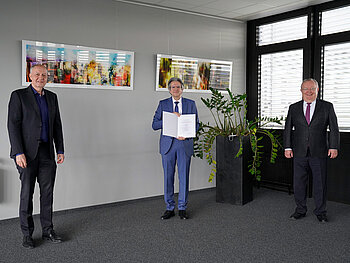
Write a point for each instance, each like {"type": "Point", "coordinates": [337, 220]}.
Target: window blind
{"type": "Point", "coordinates": [280, 78]}
{"type": "Point", "coordinates": [335, 21]}
{"type": "Point", "coordinates": [282, 31]}
{"type": "Point", "coordinates": [336, 81]}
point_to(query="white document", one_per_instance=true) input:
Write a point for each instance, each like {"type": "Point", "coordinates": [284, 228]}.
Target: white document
{"type": "Point", "coordinates": [183, 126]}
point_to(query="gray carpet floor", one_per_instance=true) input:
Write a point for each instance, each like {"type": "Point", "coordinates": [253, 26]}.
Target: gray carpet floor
{"type": "Point", "coordinates": [259, 231]}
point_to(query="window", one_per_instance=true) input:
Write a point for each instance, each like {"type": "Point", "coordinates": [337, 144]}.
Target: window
{"type": "Point", "coordinates": [335, 61]}
{"type": "Point", "coordinates": [284, 49]}
{"type": "Point", "coordinates": [336, 81]}
{"type": "Point", "coordinates": [281, 74]}
{"type": "Point", "coordinates": [336, 20]}
{"type": "Point", "coordinates": [286, 30]}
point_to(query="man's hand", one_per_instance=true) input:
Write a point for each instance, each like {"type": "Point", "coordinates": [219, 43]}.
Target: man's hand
{"type": "Point", "coordinates": [21, 160]}
{"type": "Point", "coordinates": [288, 153]}
{"type": "Point", "coordinates": [332, 153]}
{"type": "Point", "coordinates": [177, 114]}
{"type": "Point", "coordinates": [60, 158]}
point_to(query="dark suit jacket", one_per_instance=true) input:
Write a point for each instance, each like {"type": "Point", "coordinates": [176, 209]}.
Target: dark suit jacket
{"type": "Point", "coordinates": [165, 142]}
{"type": "Point", "coordinates": [298, 135]}
{"type": "Point", "coordinates": [24, 123]}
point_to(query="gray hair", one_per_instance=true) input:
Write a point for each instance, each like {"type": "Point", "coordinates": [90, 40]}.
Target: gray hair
{"type": "Point", "coordinates": [175, 79]}
{"type": "Point", "coordinates": [38, 65]}
{"type": "Point", "coordinates": [310, 79]}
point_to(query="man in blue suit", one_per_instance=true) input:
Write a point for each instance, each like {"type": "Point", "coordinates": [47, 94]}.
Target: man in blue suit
{"type": "Point", "coordinates": [175, 150]}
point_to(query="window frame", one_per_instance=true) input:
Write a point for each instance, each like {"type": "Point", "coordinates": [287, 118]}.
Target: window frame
{"type": "Point", "coordinates": [322, 41]}
{"type": "Point", "coordinates": [254, 52]}
{"type": "Point", "coordinates": [312, 46]}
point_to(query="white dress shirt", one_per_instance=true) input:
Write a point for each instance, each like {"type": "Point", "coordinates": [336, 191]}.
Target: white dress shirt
{"type": "Point", "coordinates": [178, 105]}
{"type": "Point", "coordinates": [312, 108]}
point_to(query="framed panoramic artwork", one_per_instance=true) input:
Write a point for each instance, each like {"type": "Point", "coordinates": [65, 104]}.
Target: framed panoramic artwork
{"type": "Point", "coordinates": [78, 66]}
{"type": "Point", "coordinates": [198, 75]}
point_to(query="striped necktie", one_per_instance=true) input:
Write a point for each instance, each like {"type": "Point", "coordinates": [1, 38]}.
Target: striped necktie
{"type": "Point", "coordinates": [307, 113]}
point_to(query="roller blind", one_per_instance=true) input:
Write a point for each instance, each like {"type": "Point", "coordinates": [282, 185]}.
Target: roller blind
{"type": "Point", "coordinates": [282, 31]}
{"type": "Point", "coordinates": [336, 81]}
{"type": "Point", "coordinates": [280, 78]}
{"type": "Point", "coordinates": [335, 20]}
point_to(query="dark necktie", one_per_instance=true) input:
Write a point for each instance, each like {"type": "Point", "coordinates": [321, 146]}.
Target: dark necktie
{"type": "Point", "coordinates": [307, 113]}
{"type": "Point", "coordinates": [176, 106]}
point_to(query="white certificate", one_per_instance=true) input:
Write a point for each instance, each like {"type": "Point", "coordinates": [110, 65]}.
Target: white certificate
{"type": "Point", "coordinates": [183, 126]}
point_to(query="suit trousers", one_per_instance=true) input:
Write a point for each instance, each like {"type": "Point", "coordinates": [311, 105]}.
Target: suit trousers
{"type": "Point", "coordinates": [318, 168]}
{"type": "Point", "coordinates": [176, 154]}
{"type": "Point", "coordinates": [43, 170]}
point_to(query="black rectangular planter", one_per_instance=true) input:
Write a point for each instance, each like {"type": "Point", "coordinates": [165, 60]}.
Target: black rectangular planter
{"type": "Point", "coordinates": [234, 184]}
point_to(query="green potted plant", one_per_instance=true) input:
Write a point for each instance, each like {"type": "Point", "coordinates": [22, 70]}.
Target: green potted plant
{"type": "Point", "coordinates": [238, 146]}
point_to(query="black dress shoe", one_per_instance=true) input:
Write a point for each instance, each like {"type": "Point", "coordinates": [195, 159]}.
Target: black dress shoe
{"type": "Point", "coordinates": [52, 237]}
{"type": "Point", "coordinates": [168, 214]}
{"type": "Point", "coordinates": [322, 218]}
{"type": "Point", "coordinates": [28, 242]}
{"type": "Point", "coordinates": [183, 215]}
{"type": "Point", "coordinates": [296, 216]}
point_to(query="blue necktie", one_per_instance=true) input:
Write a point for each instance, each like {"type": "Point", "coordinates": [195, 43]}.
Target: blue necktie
{"type": "Point", "coordinates": [176, 106]}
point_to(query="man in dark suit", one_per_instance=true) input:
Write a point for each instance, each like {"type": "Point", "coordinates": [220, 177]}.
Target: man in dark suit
{"type": "Point", "coordinates": [175, 150]}
{"type": "Point", "coordinates": [34, 123]}
{"type": "Point", "coordinates": [306, 140]}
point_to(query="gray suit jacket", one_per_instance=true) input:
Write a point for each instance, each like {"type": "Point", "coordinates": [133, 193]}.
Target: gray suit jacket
{"type": "Point", "coordinates": [299, 136]}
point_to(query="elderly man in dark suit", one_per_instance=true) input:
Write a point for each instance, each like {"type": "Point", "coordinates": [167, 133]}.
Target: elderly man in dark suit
{"type": "Point", "coordinates": [306, 140]}
{"type": "Point", "coordinates": [34, 123]}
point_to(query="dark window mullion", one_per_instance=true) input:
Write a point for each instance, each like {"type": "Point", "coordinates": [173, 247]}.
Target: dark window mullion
{"type": "Point", "coordinates": [285, 46]}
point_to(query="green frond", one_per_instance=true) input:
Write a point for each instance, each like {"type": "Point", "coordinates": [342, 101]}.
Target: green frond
{"type": "Point", "coordinates": [229, 115]}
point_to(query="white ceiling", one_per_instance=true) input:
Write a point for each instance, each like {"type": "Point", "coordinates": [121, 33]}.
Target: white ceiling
{"type": "Point", "coordinates": [242, 10]}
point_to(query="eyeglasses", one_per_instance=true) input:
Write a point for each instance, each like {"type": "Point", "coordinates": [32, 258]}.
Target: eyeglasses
{"type": "Point", "coordinates": [306, 89]}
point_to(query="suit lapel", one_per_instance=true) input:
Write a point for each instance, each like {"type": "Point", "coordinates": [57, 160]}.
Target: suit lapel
{"type": "Point", "coordinates": [316, 111]}
{"type": "Point", "coordinates": [169, 105]}
{"type": "Point", "coordinates": [300, 111]}
{"type": "Point", "coordinates": [32, 100]}
{"type": "Point", "coordinates": [50, 106]}
{"type": "Point", "coordinates": [184, 106]}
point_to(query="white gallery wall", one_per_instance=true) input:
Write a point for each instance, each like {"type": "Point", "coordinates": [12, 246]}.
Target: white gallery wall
{"type": "Point", "coordinates": [111, 150]}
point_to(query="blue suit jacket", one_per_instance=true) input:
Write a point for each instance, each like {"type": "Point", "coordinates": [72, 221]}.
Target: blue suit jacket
{"type": "Point", "coordinates": [165, 142]}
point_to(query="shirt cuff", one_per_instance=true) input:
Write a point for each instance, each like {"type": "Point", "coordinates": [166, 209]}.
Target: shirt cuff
{"type": "Point", "coordinates": [60, 152]}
